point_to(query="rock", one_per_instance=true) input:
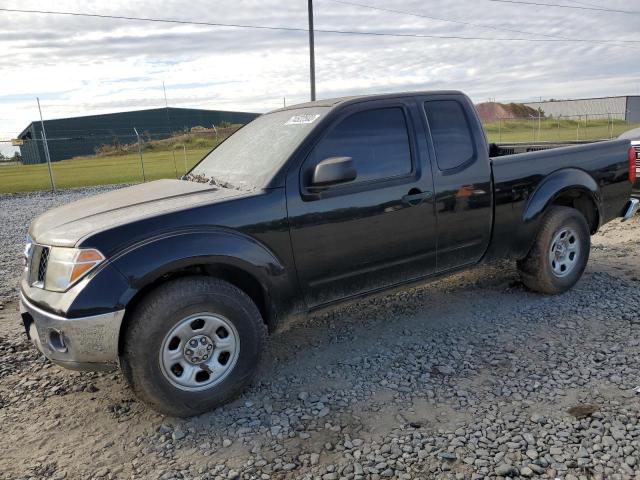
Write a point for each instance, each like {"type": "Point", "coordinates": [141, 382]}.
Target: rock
{"type": "Point", "coordinates": [526, 472]}
{"type": "Point", "coordinates": [504, 469]}
{"type": "Point", "coordinates": [556, 451]}
{"type": "Point", "coordinates": [449, 456]}
{"type": "Point", "coordinates": [102, 472]}
{"type": "Point", "coordinates": [537, 418]}
{"type": "Point", "coordinates": [444, 369]}
{"type": "Point", "coordinates": [165, 428]}
{"type": "Point", "coordinates": [226, 443]}
{"type": "Point", "coordinates": [583, 453]}
{"type": "Point", "coordinates": [537, 469]}
{"type": "Point", "coordinates": [618, 434]}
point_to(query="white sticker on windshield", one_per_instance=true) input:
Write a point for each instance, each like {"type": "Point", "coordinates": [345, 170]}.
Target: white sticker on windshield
{"type": "Point", "coordinates": [300, 119]}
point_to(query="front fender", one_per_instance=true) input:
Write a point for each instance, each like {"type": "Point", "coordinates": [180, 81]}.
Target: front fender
{"type": "Point", "coordinates": [144, 263]}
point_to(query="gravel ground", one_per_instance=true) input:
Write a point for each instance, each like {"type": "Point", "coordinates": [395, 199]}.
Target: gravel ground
{"type": "Point", "coordinates": [468, 377]}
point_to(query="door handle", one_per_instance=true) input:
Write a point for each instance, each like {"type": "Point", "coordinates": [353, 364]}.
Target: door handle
{"type": "Point", "coordinates": [416, 197]}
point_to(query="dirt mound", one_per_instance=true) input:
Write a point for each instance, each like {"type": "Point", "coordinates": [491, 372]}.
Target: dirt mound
{"type": "Point", "coordinates": [493, 111]}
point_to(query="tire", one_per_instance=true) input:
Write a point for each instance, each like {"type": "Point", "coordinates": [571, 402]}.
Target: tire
{"type": "Point", "coordinates": [553, 273]}
{"type": "Point", "coordinates": [175, 378]}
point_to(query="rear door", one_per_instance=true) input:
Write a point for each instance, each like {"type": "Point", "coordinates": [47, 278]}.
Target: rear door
{"type": "Point", "coordinates": [462, 179]}
{"type": "Point", "coordinates": [378, 230]}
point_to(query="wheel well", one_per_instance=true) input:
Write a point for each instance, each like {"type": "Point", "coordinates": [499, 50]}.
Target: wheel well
{"type": "Point", "coordinates": [234, 275]}
{"type": "Point", "coordinates": [582, 202]}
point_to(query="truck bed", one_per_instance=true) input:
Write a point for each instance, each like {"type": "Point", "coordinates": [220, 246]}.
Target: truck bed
{"type": "Point", "coordinates": [518, 177]}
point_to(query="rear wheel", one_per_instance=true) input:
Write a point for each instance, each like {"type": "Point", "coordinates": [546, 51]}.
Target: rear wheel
{"type": "Point", "coordinates": [559, 254]}
{"type": "Point", "coordinates": [191, 345]}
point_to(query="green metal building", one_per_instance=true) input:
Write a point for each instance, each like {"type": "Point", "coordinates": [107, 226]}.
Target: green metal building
{"type": "Point", "coordinates": [76, 136]}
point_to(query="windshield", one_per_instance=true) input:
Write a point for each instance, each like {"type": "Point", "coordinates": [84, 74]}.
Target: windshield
{"type": "Point", "coordinates": [250, 157]}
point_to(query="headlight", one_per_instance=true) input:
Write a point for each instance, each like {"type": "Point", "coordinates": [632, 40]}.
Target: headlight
{"type": "Point", "coordinates": [66, 266]}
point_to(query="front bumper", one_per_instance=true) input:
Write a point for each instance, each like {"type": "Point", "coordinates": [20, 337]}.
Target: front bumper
{"type": "Point", "coordinates": [86, 343]}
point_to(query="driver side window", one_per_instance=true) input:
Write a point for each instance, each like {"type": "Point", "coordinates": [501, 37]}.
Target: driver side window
{"type": "Point", "coordinates": [377, 141]}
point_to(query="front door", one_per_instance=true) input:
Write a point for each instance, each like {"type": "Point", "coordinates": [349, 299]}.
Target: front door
{"type": "Point", "coordinates": [377, 230]}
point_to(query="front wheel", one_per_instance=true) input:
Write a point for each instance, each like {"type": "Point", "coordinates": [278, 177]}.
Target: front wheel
{"type": "Point", "coordinates": [559, 254]}
{"type": "Point", "coordinates": [191, 345]}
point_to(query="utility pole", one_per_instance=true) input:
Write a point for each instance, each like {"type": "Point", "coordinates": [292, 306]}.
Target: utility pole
{"type": "Point", "coordinates": [46, 148]}
{"type": "Point", "coordinates": [312, 55]}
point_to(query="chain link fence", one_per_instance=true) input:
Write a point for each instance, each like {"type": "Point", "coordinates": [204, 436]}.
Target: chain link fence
{"type": "Point", "coordinates": [572, 128]}
{"type": "Point", "coordinates": [108, 159]}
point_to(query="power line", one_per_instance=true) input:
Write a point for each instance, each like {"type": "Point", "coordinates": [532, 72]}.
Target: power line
{"type": "Point", "coordinates": [305, 30]}
{"type": "Point", "coordinates": [492, 27]}
{"type": "Point", "coordinates": [441, 19]}
{"type": "Point", "coordinates": [585, 4]}
{"type": "Point", "coordinates": [575, 7]}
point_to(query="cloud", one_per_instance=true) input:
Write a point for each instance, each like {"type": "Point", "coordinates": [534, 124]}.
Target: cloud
{"type": "Point", "coordinates": [87, 65]}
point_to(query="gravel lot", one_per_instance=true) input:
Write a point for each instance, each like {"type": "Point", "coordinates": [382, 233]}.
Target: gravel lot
{"type": "Point", "coordinates": [469, 377]}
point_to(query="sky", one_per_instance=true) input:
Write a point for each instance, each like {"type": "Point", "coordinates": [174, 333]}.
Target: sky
{"type": "Point", "coordinates": [80, 66]}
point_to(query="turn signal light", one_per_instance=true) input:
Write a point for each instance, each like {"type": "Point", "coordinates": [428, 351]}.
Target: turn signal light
{"type": "Point", "coordinates": [85, 261]}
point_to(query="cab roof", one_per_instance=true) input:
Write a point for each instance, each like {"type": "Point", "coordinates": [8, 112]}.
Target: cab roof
{"type": "Point", "coordinates": [341, 101]}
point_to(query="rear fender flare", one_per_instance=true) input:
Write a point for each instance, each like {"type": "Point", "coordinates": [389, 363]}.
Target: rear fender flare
{"type": "Point", "coordinates": [556, 184]}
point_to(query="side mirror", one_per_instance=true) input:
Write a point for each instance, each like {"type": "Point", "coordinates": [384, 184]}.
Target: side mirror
{"type": "Point", "coordinates": [332, 171]}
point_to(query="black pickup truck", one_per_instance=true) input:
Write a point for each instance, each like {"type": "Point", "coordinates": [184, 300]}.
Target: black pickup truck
{"type": "Point", "coordinates": [179, 281]}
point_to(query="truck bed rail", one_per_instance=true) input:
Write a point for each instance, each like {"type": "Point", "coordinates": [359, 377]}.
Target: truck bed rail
{"type": "Point", "coordinates": [502, 149]}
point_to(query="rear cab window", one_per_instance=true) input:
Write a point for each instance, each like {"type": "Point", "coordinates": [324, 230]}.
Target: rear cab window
{"type": "Point", "coordinates": [451, 134]}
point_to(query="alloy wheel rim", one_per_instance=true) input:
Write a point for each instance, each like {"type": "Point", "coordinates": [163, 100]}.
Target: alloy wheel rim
{"type": "Point", "coordinates": [199, 351]}
{"type": "Point", "coordinates": [564, 252]}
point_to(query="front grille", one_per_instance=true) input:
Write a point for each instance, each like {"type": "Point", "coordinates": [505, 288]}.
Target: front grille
{"type": "Point", "coordinates": [42, 264]}
{"type": "Point", "coordinates": [637, 157]}
{"type": "Point", "coordinates": [38, 265]}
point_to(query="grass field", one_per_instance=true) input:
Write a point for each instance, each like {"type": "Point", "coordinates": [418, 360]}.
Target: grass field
{"type": "Point", "coordinates": [552, 130]}
{"type": "Point", "coordinates": [86, 171]}
{"type": "Point", "coordinates": [159, 156]}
